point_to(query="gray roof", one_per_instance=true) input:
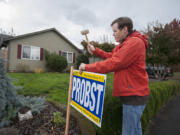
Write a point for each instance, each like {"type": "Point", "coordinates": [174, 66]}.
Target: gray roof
{"type": "Point", "coordinates": [4, 37]}
{"type": "Point", "coordinates": [39, 32]}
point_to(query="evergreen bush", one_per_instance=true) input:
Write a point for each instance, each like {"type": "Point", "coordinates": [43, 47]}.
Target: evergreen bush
{"type": "Point", "coordinates": [82, 59]}
{"type": "Point", "coordinates": [11, 102]}
{"type": "Point", "coordinates": [56, 63]}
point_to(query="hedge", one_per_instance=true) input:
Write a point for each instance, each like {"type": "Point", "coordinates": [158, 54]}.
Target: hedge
{"type": "Point", "coordinates": [160, 94]}
{"type": "Point", "coordinates": [56, 63]}
{"type": "Point", "coordinates": [82, 59]}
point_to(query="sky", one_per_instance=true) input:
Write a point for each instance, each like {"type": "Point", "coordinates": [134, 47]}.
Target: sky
{"type": "Point", "coordinates": [70, 17]}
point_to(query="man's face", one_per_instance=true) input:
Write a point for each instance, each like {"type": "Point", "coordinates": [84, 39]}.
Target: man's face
{"type": "Point", "coordinates": [118, 34]}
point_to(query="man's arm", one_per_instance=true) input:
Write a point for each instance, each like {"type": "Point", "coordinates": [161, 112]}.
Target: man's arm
{"type": "Point", "coordinates": [121, 59]}
{"type": "Point", "coordinates": [102, 54]}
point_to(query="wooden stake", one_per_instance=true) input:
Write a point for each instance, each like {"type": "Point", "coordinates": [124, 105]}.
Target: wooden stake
{"type": "Point", "coordinates": [69, 102]}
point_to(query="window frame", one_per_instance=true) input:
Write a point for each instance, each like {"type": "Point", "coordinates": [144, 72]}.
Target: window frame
{"type": "Point", "coordinates": [30, 52]}
{"type": "Point", "coordinates": [67, 52]}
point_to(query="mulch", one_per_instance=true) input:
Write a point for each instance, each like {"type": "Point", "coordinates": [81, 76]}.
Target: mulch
{"type": "Point", "coordinates": [42, 124]}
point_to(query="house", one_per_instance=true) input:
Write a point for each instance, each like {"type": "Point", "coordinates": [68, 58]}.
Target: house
{"type": "Point", "coordinates": [26, 52]}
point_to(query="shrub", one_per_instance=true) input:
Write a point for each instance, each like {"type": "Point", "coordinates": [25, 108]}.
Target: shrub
{"type": "Point", "coordinates": [82, 59]}
{"type": "Point", "coordinates": [37, 104]}
{"type": "Point", "coordinates": [160, 94]}
{"type": "Point", "coordinates": [58, 118]}
{"type": "Point", "coordinates": [11, 102]}
{"type": "Point", "coordinates": [55, 62]}
{"type": "Point", "coordinates": [112, 112]}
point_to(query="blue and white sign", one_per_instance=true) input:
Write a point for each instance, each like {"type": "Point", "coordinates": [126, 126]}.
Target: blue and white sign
{"type": "Point", "coordinates": [88, 90]}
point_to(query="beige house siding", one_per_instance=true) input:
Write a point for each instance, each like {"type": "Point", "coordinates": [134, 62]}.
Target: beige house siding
{"type": "Point", "coordinates": [50, 41]}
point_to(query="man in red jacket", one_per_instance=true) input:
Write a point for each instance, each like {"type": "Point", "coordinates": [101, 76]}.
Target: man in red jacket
{"type": "Point", "coordinates": [127, 61]}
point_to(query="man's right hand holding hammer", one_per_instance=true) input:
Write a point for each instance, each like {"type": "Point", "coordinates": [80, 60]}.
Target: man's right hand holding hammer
{"type": "Point", "coordinates": [90, 48]}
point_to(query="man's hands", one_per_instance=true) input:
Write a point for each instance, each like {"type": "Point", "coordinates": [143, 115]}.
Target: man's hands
{"type": "Point", "coordinates": [82, 67]}
{"type": "Point", "coordinates": [91, 49]}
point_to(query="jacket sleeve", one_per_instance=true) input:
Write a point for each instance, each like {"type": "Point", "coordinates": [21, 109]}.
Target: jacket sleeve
{"type": "Point", "coordinates": [102, 54]}
{"type": "Point", "coordinates": [122, 58]}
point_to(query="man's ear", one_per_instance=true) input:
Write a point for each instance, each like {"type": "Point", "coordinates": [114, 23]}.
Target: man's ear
{"type": "Point", "coordinates": [125, 29]}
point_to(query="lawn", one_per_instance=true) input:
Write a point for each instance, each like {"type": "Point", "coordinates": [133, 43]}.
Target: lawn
{"type": "Point", "coordinates": [177, 74]}
{"type": "Point", "coordinates": [52, 85]}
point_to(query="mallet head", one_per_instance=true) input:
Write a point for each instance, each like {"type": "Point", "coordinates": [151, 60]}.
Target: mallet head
{"type": "Point", "coordinates": [84, 32]}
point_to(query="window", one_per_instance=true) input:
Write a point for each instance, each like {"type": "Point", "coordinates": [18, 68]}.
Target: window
{"type": "Point", "coordinates": [30, 52]}
{"type": "Point", "coordinates": [68, 56]}
{"type": "Point", "coordinates": [64, 54]}
{"type": "Point", "coordinates": [35, 53]}
{"type": "Point", "coordinates": [26, 52]}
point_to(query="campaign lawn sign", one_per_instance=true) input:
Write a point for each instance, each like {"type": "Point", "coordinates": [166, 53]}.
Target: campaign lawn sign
{"type": "Point", "coordinates": [87, 95]}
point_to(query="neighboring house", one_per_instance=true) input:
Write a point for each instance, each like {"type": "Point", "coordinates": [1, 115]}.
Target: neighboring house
{"type": "Point", "coordinates": [27, 51]}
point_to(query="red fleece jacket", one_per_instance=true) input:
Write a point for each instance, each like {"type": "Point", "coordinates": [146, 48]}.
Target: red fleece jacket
{"type": "Point", "coordinates": [127, 61]}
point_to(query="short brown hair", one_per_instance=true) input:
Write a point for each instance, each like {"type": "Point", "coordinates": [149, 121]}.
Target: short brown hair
{"type": "Point", "coordinates": [124, 21]}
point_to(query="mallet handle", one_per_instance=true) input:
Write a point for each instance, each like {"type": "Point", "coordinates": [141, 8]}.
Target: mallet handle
{"type": "Point", "coordinates": [87, 39]}
{"type": "Point", "coordinates": [87, 42]}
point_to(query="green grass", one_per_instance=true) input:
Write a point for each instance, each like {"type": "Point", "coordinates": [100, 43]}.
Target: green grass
{"type": "Point", "coordinates": [177, 74]}
{"type": "Point", "coordinates": [54, 86]}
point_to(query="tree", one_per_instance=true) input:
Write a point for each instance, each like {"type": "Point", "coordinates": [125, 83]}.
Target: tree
{"type": "Point", "coordinates": [84, 44]}
{"type": "Point", "coordinates": [108, 47]}
{"type": "Point", "coordinates": [173, 30]}
{"type": "Point", "coordinates": [164, 43]}
{"type": "Point", "coordinates": [82, 59]}
{"type": "Point", "coordinates": [11, 102]}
